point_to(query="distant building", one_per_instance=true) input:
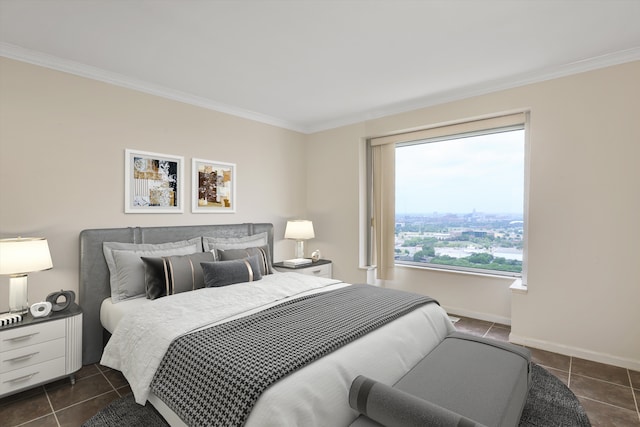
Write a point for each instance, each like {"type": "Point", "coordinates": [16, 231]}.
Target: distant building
{"type": "Point", "coordinates": [438, 236]}
{"type": "Point", "coordinates": [476, 234]}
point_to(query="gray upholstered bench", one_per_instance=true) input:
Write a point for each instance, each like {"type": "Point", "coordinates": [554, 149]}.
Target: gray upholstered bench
{"type": "Point", "coordinates": [464, 381]}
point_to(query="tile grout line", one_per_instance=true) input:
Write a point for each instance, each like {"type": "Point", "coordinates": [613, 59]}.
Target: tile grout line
{"type": "Point", "coordinates": [82, 401]}
{"type": "Point", "coordinates": [30, 421]}
{"type": "Point", "coordinates": [79, 403]}
{"type": "Point", "coordinates": [593, 399]}
{"type": "Point", "coordinates": [604, 403]}
{"type": "Point", "coordinates": [570, 366]}
{"type": "Point", "coordinates": [112, 386]}
{"type": "Point", "coordinates": [604, 381]}
{"type": "Point", "coordinates": [110, 383]}
{"type": "Point", "coordinates": [105, 377]}
{"type": "Point", "coordinates": [97, 395]}
{"type": "Point", "coordinates": [490, 326]}
{"type": "Point", "coordinates": [53, 411]}
{"type": "Point", "coordinates": [633, 394]}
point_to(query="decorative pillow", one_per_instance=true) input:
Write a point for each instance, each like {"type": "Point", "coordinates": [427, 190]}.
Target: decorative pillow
{"type": "Point", "coordinates": [127, 270]}
{"type": "Point", "coordinates": [174, 274]}
{"type": "Point", "coordinates": [223, 273]}
{"type": "Point", "coordinates": [213, 243]}
{"type": "Point", "coordinates": [262, 252]}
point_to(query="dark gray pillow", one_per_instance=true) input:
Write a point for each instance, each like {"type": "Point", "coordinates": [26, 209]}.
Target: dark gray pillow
{"type": "Point", "coordinates": [174, 274]}
{"type": "Point", "coordinates": [223, 273]}
{"type": "Point", "coordinates": [262, 252]}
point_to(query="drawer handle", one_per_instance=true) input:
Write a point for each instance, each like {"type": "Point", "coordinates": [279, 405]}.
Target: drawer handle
{"type": "Point", "coordinates": [20, 358]}
{"type": "Point", "coordinates": [23, 337]}
{"type": "Point", "coordinates": [316, 271]}
{"type": "Point", "coordinates": [23, 378]}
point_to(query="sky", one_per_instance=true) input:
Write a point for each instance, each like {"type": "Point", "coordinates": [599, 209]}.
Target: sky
{"type": "Point", "coordinates": [485, 173]}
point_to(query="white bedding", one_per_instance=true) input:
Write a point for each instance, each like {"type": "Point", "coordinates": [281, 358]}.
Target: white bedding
{"type": "Point", "coordinates": [111, 314]}
{"type": "Point", "coordinates": [313, 396]}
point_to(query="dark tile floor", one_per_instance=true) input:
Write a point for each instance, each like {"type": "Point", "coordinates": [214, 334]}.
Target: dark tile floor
{"type": "Point", "coordinates": [609, 394]}
{"type": "Point", "coordinates": [60, 404]}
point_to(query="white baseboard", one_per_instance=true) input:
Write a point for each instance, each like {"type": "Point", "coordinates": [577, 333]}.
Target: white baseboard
{"type": "Point", "coordinates": [477, 315]}
{"type": "Point", "coordinates": [575, 352]}
{"type": "Point", "coordinates": [548, 345]}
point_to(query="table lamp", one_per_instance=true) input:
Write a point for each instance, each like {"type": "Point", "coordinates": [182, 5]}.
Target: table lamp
{"type": "Point", "coordinates": [18, 257]}
{"type": "Point", "coordinates": [299, 230]}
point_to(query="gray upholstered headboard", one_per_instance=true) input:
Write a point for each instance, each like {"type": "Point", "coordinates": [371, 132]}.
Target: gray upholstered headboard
{"type": "Point", "coordinates": [94, 273]}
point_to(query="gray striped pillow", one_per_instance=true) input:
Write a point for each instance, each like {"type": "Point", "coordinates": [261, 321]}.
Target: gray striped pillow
{"type": "Point", "coordinates": [174, 274]}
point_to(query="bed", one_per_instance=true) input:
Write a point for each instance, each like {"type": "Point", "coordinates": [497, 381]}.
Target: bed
{"type": "Point", "coordinates": [315, 393]}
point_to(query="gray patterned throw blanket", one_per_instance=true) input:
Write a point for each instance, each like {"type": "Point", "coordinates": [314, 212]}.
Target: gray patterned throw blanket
{"type": "Point", "coordinates": [214, 376]}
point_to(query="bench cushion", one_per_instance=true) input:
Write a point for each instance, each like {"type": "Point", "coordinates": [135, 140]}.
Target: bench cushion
{"type": "Point", "coordinates": [484, 380]}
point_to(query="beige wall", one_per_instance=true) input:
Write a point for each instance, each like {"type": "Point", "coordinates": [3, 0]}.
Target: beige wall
{"type": "Point", "coordinates": [584, 214]}
{"type": "Point", "coordinates": [62, 142]}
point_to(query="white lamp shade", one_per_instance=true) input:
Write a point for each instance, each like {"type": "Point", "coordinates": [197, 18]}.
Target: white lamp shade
{"type": "Point", "coordinates": [299, 230]}
{"type": "Point", "coordinates": [24, 255]}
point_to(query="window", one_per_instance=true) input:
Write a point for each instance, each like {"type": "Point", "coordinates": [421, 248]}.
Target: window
{"type": "Point", "coordinates": [458, 194]}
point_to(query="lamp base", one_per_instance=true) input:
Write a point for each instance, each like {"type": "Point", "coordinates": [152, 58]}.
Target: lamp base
{"type": "Point", "coordinates": [18, 303]}
{"type": "Point", "coordinates": [299, 248]}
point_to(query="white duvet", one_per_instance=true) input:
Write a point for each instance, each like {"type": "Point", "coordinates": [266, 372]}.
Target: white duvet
{"type": "Point", "coordinates": [313, 396]}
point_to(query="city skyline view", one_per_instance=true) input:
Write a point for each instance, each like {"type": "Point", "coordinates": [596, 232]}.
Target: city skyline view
{"type": "Point", "coordinates": [468, 241]}
{"type": "Point", "coordinates": [460, 202]}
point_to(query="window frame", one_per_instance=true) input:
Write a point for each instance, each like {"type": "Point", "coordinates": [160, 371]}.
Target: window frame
{"type": "Point", "coordinates": [517, 120]}
{"type": "Point", "coordinates": [471, 134]}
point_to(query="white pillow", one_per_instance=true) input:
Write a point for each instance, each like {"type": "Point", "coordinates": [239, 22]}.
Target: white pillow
{"type": "Point", "coordinates": [126, 269]}
{"type": "Point", "coordinates": [212, 244]}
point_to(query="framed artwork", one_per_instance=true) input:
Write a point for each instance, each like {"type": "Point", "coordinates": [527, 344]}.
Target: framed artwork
{"type": "Point", "coordinates": [153, 183]}
{"type": "Point", "coordinates": [213, 187]}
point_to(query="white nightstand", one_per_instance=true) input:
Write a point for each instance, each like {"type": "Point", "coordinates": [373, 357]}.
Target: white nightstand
{"type": "Point", "coordinates": [40, 350]}
{"type": "Point", "coordinates": [320, 268]}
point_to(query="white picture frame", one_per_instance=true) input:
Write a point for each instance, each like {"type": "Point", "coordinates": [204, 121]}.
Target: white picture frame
{"type": "Point", "coordinates": [153, 182]}
{"type": "Point", "coordinates": [213, 186]}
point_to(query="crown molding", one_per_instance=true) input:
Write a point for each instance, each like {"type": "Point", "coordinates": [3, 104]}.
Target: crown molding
{"type": "Point", "coordinates": [550, 73]}
{"type": "Point", "coordinates": [56, 63]}
{"type": "Point", "coordinates": [49, 61]}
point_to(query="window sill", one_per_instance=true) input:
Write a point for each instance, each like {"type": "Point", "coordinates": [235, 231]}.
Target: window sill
{"type": "Point", "coordinates": [517, 287]}
{"type": "Point", "coordinates": [452, 271]}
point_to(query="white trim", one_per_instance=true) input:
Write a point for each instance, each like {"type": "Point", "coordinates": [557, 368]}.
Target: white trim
{"type": "Point", "coordinates": [517, 287]}
{"type": "Point", "coordinates": [524, 79]}
{"type": "Point", "coordinates": [575, 352]}
{"type": "Point", "coordinates": [443, 268]}
{"type": "Point", "coordinates": [49, 61]}
{"type": "Point", "coordinates": [525, 208]}
{"type": "Point", "coordinates": [487, 317]}
{"type": "Point", "coordinates": [44, 60]}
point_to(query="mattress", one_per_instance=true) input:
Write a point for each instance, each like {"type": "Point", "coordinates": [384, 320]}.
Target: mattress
{"type": "Point", "coordinates": [111, 314]}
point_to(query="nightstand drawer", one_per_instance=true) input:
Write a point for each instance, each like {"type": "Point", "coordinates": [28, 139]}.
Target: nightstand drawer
{"type": "Point", "coordinates": [14, 338]}
{"type": "Point", "coordinates": [31, 355]}
{"type": "Point", "coordinates": [323, 270]}
{"type": "Point", "coordinates": [31, 375]}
